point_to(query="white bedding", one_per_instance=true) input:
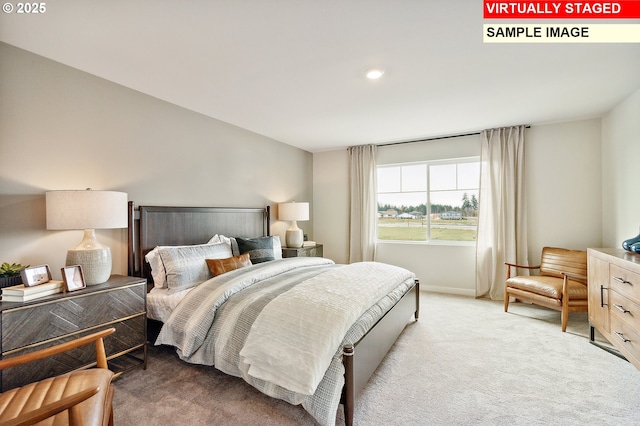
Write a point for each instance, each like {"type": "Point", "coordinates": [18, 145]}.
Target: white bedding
{"type": "Point", "coordinates": [294, 337]}
{"type": "Point", "coordinates": [160, 303]}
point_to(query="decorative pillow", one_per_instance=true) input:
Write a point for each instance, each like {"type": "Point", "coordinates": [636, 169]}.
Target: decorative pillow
{"type": "Point", "coordinates": [277, 246]}
{"type": "Point", "coordinates": [185, 266]}
{"type": "Point", "coordinates": [260, 249]}
{"type": "Point", "coordinates": [220, 266]}
{"type": "Point", "coordinates": [158, 273]}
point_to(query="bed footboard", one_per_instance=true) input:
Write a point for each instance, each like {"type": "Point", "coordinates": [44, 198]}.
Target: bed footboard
{"type": "Point", "coordinates": [371, 349]}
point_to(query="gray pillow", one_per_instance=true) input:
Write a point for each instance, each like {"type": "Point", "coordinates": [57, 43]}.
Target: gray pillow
{"type": "Point", "coordinates": [186, 267]}
{"type": "Point", "coordinates": [260, 249]}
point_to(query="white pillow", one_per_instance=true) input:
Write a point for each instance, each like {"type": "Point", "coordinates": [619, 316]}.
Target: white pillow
{"type": "Point", "coordinates": [157, 268]}
{"type": "Point", "coordinates": [186, 266]}
{"type": "Point", "coordinates": [220, 239]}
{"type": "Point", "coordinates": [158, 273]}
{"type": "Point", "coordinates": [277, 248]}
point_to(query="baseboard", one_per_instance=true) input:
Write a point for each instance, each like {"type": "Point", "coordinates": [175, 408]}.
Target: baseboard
{"type": "Point", "coordinates": [449, 290]}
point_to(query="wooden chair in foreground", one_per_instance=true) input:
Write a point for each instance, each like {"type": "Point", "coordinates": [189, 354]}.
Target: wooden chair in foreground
{"type": "Point", "coordinates": [560, 285]}
{"type": "Point", "coordinates": [79, 398]}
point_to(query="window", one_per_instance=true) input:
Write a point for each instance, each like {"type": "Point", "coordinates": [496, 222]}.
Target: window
{"type": "Point", "coordinates": [430, 201]}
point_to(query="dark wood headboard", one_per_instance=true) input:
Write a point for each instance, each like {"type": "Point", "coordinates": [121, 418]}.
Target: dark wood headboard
{"type": "Point", "coordinates": [151, 226]}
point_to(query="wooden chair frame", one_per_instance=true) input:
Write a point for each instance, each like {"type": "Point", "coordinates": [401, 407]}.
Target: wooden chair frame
{"type": "Point", "coordinates": [70, 402]}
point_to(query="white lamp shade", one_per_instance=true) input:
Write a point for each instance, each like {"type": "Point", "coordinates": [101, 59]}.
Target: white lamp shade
{"type": "Point", "coordinates": [86, 209]}
{"type": "Point", "coordinates": [293, 211]}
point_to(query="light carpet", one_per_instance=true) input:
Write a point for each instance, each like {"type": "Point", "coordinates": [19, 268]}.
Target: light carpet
{"type": "Point", "coordinates": [465, 362]}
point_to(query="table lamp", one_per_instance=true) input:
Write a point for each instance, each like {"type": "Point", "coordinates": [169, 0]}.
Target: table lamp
{"type": "Point", "coordinates": [293, 211]}
{"type": "Point", "coordinates": [88, 210]}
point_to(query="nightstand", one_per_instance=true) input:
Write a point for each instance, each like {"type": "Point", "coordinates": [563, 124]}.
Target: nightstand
{"type": "Point", "coordinates": [311, 251]}
{"type": "Point", "coordinates": [121, 302]}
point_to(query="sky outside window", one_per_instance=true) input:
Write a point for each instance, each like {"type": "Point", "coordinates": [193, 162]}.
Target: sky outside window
{"type": "Point", "coordinates": [406, 185]}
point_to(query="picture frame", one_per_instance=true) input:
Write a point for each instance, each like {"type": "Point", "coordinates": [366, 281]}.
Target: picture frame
{"type": "Point", "coordinates": [35, 275]}
{"type": "Point", "coordinates": [73, 278]}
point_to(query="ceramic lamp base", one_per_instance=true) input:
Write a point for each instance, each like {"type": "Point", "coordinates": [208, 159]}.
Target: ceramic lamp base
{"type": "Point", "coordinates": [294, 237]}
{"type": "Point", "coordinates": [96, 264]}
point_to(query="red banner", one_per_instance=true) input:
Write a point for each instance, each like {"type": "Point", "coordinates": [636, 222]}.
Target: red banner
{"type": "Point", "coordinates": [622, 9]}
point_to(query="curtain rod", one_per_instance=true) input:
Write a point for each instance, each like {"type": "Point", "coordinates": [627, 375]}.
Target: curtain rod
{"type": "Point", "coordinates": [437, 138]}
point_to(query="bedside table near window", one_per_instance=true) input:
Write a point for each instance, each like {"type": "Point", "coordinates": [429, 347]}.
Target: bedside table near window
{"type": "Point", "coordinates": [311, 251]}
{"type": "Point", "coordinates": [120, 302]}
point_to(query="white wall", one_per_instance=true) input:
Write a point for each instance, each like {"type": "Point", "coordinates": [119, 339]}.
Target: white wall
{"type": "Point", "coordinates": [563, 184]}
{"type": "Point", "coordinates": [563, 193]}
{"type": "Point", "coordinates": [331, 203]}
{"type": "Point", "coordinates": [61, 128]}
{"type": "Point", "coordinates": [620, 161]}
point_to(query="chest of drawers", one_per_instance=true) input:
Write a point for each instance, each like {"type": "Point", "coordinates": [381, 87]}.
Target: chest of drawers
{"type": "Point", "coordinates": [27, 326]}
{"type": "Point", "coordinates": [614, 299]}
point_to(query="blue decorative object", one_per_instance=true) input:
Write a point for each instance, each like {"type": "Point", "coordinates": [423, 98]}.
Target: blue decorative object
{"type": "Point", "coordinates": [635, 248]}
{"type": "Point", "coordinates": [626, 244]}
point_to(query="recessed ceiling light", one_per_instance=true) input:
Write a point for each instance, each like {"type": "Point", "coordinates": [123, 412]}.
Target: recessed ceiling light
{"type": "Point", "coordinates": [374, 73]}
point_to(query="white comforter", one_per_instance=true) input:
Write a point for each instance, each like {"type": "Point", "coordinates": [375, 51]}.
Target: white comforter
{"type": "Point", "coordinates": [294, 337]}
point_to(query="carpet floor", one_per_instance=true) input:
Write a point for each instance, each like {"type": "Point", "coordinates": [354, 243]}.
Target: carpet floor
{"type": "Point", "coordinates": [465, 362]}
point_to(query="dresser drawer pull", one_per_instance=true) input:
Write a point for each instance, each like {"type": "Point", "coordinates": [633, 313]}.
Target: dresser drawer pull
{"type": "Point", "coordinates": [621, 309]}
{"type": "Point", "coordinates": [621, 336]}
{"type": "Point", "coordinates": [622, 280]}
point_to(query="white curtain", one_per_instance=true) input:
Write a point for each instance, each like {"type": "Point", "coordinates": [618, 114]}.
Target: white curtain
{"type": "Point", "coordinates": [502, 221]}
{"type": "Point", "coordinates": [364, 203]}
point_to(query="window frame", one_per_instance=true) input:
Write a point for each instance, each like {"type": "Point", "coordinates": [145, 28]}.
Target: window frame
{"type": "Point", "coordinates": [428, 164]}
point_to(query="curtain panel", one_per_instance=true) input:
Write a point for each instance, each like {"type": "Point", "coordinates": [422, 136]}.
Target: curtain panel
{"type": "Point", "coordinates": [502, 221]}
{"type": "Point", "coordinates": [364, 203]}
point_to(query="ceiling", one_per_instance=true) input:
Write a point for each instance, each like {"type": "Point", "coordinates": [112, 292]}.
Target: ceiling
{"type": "Point", "coordinates": [294, 70]}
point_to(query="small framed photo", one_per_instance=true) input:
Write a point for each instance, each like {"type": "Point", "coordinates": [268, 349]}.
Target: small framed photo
{"type": "Point", "coordinates": [35, 275]}
{"type": "Point", "coordinates": [73, 277]}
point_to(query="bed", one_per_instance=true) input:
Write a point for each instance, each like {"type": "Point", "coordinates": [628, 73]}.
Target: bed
{"type": "Point", "coordinates": [351, 363]}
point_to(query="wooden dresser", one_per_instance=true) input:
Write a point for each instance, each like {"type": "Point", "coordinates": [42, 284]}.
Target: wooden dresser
{"type": "Point", "coordinates": [614, 299]}
{"type": "Point", "coordinates": [27, 326]}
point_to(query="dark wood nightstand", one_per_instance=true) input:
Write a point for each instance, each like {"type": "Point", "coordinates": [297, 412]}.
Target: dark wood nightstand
{"type": "Point", "coordinates": [311, 251]}
{"type": "Point", "coordinates": [121, 302]}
